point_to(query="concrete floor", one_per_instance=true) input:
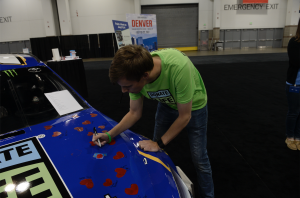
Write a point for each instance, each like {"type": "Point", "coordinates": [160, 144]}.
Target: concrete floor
{"type": "Point", "coordinates": [213, 53]}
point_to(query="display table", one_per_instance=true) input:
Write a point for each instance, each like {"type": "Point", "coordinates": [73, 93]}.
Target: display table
{"type": "Point", "coordinates": [72, 71]}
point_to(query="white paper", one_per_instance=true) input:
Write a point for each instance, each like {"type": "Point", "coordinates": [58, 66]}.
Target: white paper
{"type": "Point", "coordinates": [55, 54]}
{"type": "Point", "coordinates": [25, 50]}
{"type": "Point", "coordinates": [63, 102]}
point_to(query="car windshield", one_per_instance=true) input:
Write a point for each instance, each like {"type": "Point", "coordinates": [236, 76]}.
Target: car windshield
{"type": "Point", "coordinates": [23, 102]}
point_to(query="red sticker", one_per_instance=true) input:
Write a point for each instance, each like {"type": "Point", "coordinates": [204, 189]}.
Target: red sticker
{"type": "Point", "coordinates": [133, 190]}
{"type": "Point", "coordinates": [48, 127]}
{"type": "Point", "coordinates": [112, 142]}
{"type": "Point", "coordinates": [92, 143]}
{"type": "Point", "coordinates": [119, 155]}
{"type": "Point", "coordinates": [90, 133]}
{"type": "Point", "coordinates": [120, 172]}
{"type": "Point", "coordinates": [104, 131]}
{"type": "Point", "coordinates": [88, 183]}
{"type": "Point", "coordinates": [79, 129]}
{"type": "Point", "coordinates": [108, 182]}
{"type": "Point", "coordinates": [56, 133]}
{"type": "Point", "coordinates": [86, 122]}
{"type": "Point", "coordinates": [93, 115]}
{"type": "Point", "coordinates": [83, 182]}
{"type": "Point", "coordinates": [101, 127]}
{"type": "Point", "coordinates": [99, 156]}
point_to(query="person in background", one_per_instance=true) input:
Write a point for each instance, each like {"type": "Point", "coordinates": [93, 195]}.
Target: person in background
{"type": "Point", "coordinates": [169, 77]}
{"type": "Point", "coordinates": [293, 93]}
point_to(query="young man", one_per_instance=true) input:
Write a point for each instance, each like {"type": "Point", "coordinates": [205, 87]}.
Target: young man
{"type": "Point", "coordinates": [169, 77]}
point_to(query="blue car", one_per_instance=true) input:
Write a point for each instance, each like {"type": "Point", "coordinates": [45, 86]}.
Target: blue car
{"type": "Point", "coordinates": [46, 148]}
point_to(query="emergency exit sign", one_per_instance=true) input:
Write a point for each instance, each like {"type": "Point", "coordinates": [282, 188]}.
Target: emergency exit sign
{"type": "Point", "coordinates": [255, 1]}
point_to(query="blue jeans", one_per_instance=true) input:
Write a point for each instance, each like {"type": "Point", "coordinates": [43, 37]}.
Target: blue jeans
{"type": "Point", "coordinates": [196, 129]}
{"type": "Point", "coordinates": [293, 116]}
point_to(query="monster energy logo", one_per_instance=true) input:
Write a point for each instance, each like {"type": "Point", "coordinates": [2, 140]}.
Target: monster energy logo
{"type": "Point", "coordinates": [10, 72]}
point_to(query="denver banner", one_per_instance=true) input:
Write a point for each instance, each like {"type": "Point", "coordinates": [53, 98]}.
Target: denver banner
{"type": "Point", "coordinates": [143, 30]}
{"type": "Point", "coordinates": [255, 1]}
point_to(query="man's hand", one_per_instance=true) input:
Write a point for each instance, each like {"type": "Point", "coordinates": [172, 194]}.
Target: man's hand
{"type": "Point", "coordinates": [149, 145]}
{"type": "Point", "coordinates": [103, 137]}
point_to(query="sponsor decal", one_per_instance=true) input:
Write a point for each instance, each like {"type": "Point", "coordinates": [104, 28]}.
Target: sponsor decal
{"type": "Point", "coordinates": [108, 196]}
{"type": "Point", "coordinates": [163, 96]}
{"type": "Point", "coordinates": [10, 73]}
{"type": "Point", "coordinates": [26, 171]}
{"type": "Point", "coordinates": [34, 70]}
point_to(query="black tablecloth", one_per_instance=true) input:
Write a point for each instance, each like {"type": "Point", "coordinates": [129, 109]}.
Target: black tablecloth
{"type": "Point", "coordinates": [72, 71]}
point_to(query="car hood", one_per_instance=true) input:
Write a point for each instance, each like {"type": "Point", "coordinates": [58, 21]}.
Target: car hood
{"type": "Point", "coordinates": [118, 169]}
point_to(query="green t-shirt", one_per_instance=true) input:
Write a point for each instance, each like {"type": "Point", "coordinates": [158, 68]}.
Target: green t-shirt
{"type": "Point", "coordinates": [179, 81]}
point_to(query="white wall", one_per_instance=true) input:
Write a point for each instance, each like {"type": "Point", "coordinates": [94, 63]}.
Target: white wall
{"type": "Point", "coordinates": [292, 16]}
{"type": "Point", "coordinates": [164, 2]}
{"type": "Point", "coordinates": [50, 20]}
{"type": "Point", "coordinates": [26, 20]}
{"type": "Point", "coordinates": [205, 15]}
{"type": "Point", "coordinates": [262, 18]}
{"type": "Point", "coordinates": [65, 22]}
{"type": "Point", "coordinates": [95, 16]}
{"type": "Point", "coordinates": [233, 19]}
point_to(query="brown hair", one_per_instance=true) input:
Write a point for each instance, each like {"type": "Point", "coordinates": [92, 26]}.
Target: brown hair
{"type": "Point", "coordinates": [131, 62]}
{"type": "Point", "coordinates": [298, 32]}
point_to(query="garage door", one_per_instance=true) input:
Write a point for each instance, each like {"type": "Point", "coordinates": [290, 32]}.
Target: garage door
{"type": "Point", "coordinates": [177, 25]}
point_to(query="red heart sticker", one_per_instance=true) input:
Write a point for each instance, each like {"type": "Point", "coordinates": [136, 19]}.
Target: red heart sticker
{"type": "Point", "coordinates": [101, 127]}
{"type": "Point", "coordinates": [90, 133]}
{"type": "Point", "coordinates": [87, 182]}
{"type": "Point", "coordinates": [93, 115]}
{"type": "Point", "coordinates": [120, 172]}
{"type": "Point", "coordinates": [83, 182]}
{"type": "Point", "coordinates": [119, 155]}
{"type": "Point", "coordinates": [48, 127]}
{"type": "Point", "coordinates": [133, 190]}
{"type": "Point", "coordinates": [99, 156]}
{"type": "Point", "coordinates": [90, 185]}
{"type": "Point", "coordinates": [108, 182]}
{"type": "Point", "coordinates": [56, 133]}
{"type": "Point", "coordinates": [92, 143]}
{"type": "Point", "coordinates": [79, 129]}
{"type": "Point", "coordinates": [112, 142]}
{"type": "Point", "coordinates": [86, 122]}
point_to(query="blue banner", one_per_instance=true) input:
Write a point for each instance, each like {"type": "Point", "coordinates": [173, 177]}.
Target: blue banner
{"type": "Point", "coordinates": [122, 33]}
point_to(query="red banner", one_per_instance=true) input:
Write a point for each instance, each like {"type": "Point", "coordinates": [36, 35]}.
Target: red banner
{"type": "Point", "coordinates": [255, 1]}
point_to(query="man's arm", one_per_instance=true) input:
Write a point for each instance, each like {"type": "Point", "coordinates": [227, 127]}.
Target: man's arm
{"type": "Point", "coordinates": [183, 119]}
{"type": "Point", "coordinates": [134, 114]}
{"type": "Point", "coordinates": [185, 114]}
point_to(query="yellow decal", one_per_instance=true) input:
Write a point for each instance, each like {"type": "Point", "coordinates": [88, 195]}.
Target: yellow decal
{"type": "Point", "coordinates": [154, 159]}
{"type": "Point", "coordinates": [24, 59]}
